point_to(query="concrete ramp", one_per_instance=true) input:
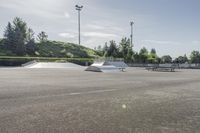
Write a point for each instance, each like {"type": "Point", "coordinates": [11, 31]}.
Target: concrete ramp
{"type": "Point", "coordinates": [102, 69]}
{"type": "Point", "coordinates": [118, 64]}
{"type": "Point", "coordinates": [107, 66]}
{"type": "Point", "coordinates": [52, 65]}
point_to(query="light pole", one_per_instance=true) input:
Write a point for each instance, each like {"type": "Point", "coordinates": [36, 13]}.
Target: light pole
{"type": "Point", "coordinates": [132, 23]}
{"type": "Point", "coordinates": [79, 8]}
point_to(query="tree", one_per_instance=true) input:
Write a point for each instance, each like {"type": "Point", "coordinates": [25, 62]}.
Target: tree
{"type": "Point", "coordinates": [129, 57]}
{"type": "Point", "coordinates": [105, 49]}
{"type": "Point", "coordinates": [136, 58]}
{"type": "Point", "coordinates": [181, 59]}
{"type": "Point", "coordinates": [20, 29]}
{"type": "Point", "coordinates": [99, 48]}
{"type": "Point", "coordinates": [195, 57]}
{"type": "Point", "coordinates": [15, 36]}
{"type": "Point", "coordinates": [42, 37]}
{"type": "Point", "coordinates": [143, 54]}
{"type": "Point", "coordinates": [30, 35]}
{"type": "Point", "coordinates": [166, 59]}
{"type": "Point", "coordinates": [152, 57]}
{"type": "Point", "coordinates": [9, 37]}
{"type": "Point", "coordinates": [112, 50]}
{"type": "Point", "coordinates": [126, 48]}
{"type": "Point", "coordinates": [153, 51]}
{"type": "Point", "coordinates": [30, 46]}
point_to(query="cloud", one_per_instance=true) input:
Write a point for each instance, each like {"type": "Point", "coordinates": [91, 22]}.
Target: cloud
{"type": "Point", "coordinates": [98, 34]}
{"type": "Point", "coordinates": [66, 35]}
{"type": "Point", "coordinates": [104, 25]}
{"type": "Point", "coordinates": [196, 42]}
{"type": "Point", "coordinates": [161, 42]}
{"type": "Point", "coordinates": [45, 8]}
{"type": "Point", "coordinates": [67, 15]}
{"type": "Point", "coordinates": [94, 26]}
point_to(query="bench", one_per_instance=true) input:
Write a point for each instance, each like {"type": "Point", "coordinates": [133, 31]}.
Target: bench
{"type": "Point", "coordinates": [171, 69]}
{"type": "Point", "coordinates": [122, 69]}
{"type": "Point", "coordinates": [161, 68]}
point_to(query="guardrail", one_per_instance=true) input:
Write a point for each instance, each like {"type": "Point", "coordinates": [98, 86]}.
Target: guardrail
{"type": "Point", "coordinates": [177, 66]}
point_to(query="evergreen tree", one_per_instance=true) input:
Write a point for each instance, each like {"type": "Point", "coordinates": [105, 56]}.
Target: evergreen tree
{"type": "Point", "coordinates": [166, 59]}
{"type": "Point", "coordinates": [153, 51]}
{"type": "Point", "coordinates": [30, 46]}
{"type": "Point", "coordinates": [20, 34]}
{"type": "Point", "coordinates": [136, 58]}
{"type": "Point", "coordinates": [15, 36]}
{"type": "Point", "coordinates": [143, 55]}
{"type": "Point", "coordinates": [195, 57]}
{"type": "Point", "coordinates": [9, 37]}
{"type": "Point", "coordinates": [113, 50]}
{"type": "Point", "coordinates": [105, 49]}
{"type": "Point", "coordinates": [99, 48]}
{"type": "Point", "coordinates": [125, 47]}
{"type": "Point", "coordinates": [42, 37]}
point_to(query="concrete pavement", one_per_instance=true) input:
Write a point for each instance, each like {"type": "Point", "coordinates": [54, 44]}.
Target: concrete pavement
{"type": "Point", "coordinates": [75, 101]}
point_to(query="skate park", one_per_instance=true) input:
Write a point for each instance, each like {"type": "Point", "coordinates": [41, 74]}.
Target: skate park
{"type": "Point", "coordinates": [75, 66]}
{"type": "Point", "coordinates": [59, 99]}
{"type": "Point", "coordinates": [99, 65]}
{"type": "Point", "coordinates": [58, 96]}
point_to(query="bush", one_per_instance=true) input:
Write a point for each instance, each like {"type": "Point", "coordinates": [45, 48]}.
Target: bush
{"type": "Point", "coordinates": [13, 62]}
{"type": "Point", "coordinates": [18, 61]}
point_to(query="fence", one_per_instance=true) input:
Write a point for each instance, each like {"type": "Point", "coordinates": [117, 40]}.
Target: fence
{"type": "Point", "coordinates": [177, 66]}
{"type": "Point", "coordinates": [110, 59]}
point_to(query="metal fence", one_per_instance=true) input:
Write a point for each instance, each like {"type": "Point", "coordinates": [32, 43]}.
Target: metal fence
{"type": "Point", "coordinates": [110, 59]}
{"type": "Point", "coordinates": [177, 66]}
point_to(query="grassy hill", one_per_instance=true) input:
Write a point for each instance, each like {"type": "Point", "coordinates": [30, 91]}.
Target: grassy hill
{"type": "Point", "coordinates": [61, 49]}
{"type": "Point", "coordinates": [57, 49]}
{"type": "Point", "coordinates": [50, 51]}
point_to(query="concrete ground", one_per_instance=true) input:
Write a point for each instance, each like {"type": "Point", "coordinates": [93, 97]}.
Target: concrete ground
{"type": "Point", "coordinates": [75, 101]}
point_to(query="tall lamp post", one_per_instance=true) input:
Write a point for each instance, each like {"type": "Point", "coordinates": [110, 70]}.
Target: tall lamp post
{"type": "Point", "coordinates": [132, 23]}
{"type": "Point", "coordinates": [79, 8]}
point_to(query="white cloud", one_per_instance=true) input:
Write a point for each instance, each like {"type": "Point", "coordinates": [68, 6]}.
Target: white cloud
{"type": "Point", "coordinates": [44, 8]}
{"type": "Point", "coordinates": [98, 34]}
{"type": "Point", "coordinates": [67, 15]}
{"type": "Point", "coordinates": [97, 27]}
{"type": "Point", "coordinates": [196, 42]}
{"type": "Point", "coordinates": [104, 25]}
{"type": "Point", "coordinates": [161, 42]}
{"type": "Point", "coordinates": [66, 35]}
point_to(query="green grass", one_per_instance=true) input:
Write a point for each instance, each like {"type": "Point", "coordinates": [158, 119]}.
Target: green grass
{"type": "Point", "coordinates": [67, 50]}
{"type": "Point", "coordinates": [50, 51]}
{"type": "Point", "coordinates": [57, 49]}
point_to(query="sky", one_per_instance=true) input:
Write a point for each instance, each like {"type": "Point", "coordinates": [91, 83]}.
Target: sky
{"type": "Point", "coordinates": [172, 27]}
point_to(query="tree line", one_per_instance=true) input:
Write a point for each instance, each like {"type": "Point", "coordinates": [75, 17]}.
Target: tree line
{"type": "Point", "coordinates": [20, 40]}
{"type": "Point", "coordinates": [125, 50]}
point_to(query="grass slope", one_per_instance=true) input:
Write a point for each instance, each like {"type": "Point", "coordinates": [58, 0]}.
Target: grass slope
{"type": "Point", "coordinates": [61, 49]}
{"type": "Point", "coordinates": [57, 49]}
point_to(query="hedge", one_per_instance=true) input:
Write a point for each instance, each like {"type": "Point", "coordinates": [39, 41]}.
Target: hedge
{"type": "Point", "coordinates": [18, 61]}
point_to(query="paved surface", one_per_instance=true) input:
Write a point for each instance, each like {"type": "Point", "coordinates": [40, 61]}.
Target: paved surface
{"type": "Point", "coordinates": [74, 101]}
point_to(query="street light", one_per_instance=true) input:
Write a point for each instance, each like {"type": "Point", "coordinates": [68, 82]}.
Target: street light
{"type": "Point", "coordinates": [132, 23]}
{"type": "Point", "coordinates": [79, 8]}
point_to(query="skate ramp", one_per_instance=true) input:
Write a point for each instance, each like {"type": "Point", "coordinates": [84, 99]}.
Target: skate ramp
{"type": "Point", "coordinates": [118, 64]}
{"type": "Point", "coordinates": [102, 69]}
{"type": "Point", "coordinates": [107, 66]}
{"type": "Point", "coordinates": [52, 65]}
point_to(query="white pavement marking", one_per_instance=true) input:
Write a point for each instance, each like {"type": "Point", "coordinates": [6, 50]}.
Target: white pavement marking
{"type": "Point", "coordinates": [93, 92]}
{"type": "Point", "coordinates": [70, 94]}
